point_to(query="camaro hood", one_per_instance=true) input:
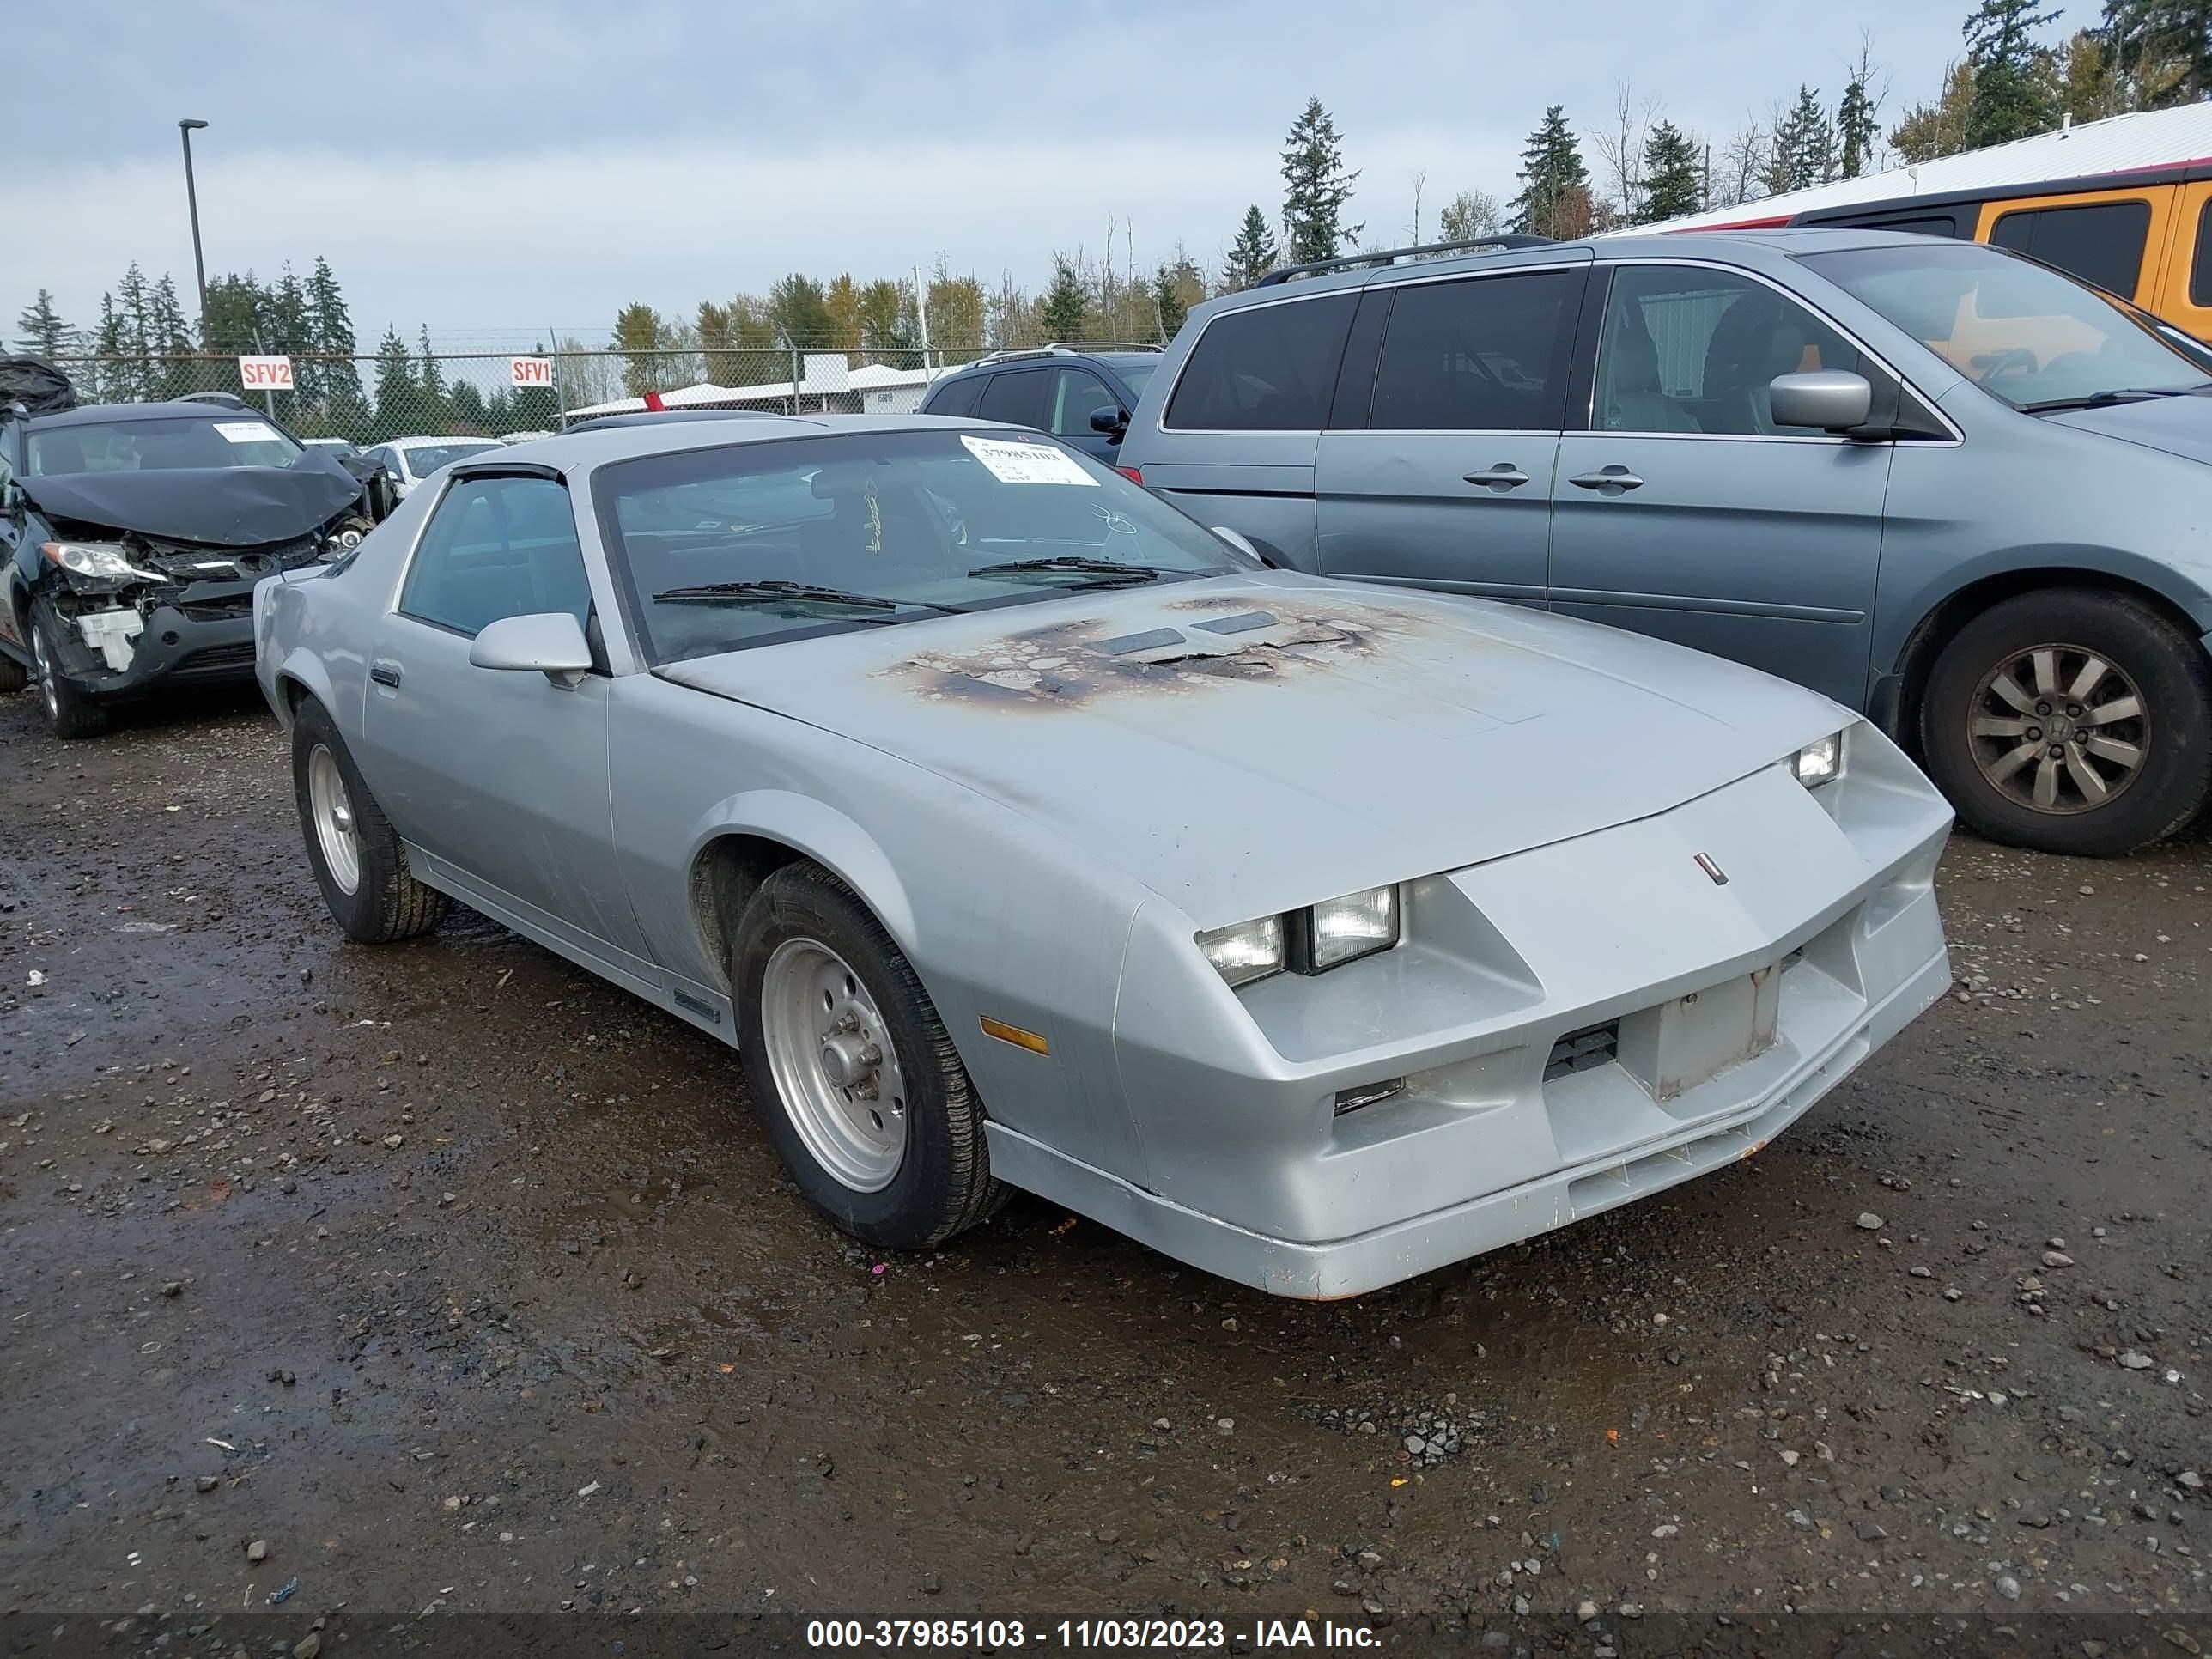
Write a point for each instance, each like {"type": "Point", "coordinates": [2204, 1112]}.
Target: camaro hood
{"type": "Point", "coordinates": [224, 507]}
{"type": "Point", "coordinates": [1247, 744]}
{"type": "Point", "coordinates": [2181, 426]}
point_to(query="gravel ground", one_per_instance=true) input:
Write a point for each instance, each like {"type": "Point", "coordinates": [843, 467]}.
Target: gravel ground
{"type": "Point", "coordinates": [447, 1278]}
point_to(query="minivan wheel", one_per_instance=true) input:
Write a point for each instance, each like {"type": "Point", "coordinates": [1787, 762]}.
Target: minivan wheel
{"type": "Point", "coordinates": [2071, 722]}
{"type": "Point", "coordinates": [851, 1069]}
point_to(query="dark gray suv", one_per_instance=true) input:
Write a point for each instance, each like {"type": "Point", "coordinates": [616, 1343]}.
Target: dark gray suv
{"type": "Point", "coordinates": [1950, 488]}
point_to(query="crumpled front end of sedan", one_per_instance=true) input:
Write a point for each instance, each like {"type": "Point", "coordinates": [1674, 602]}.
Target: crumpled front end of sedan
{"type": "Point", "coordinates": [1553, 1033]}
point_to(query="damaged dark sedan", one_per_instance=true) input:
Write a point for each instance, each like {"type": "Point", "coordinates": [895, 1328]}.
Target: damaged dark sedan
{"type": "Point", "coordinates": [132, 536]}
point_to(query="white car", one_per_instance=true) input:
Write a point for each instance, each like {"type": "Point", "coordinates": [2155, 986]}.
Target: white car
{"type": "Point", "coordinates": [410, 460]}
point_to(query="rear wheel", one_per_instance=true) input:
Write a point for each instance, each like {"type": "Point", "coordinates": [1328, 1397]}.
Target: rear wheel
{"type": "Point", "coordinates": [69, 712]}
{"type": "Point", "coordinates": [356, 855]}
{"type": "Point", "coordinates": [851, 1069]}
{"type": "Point", "coordinates": [2071, 722]}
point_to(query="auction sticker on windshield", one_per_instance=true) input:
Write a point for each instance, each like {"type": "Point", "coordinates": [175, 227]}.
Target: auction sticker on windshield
{"type": "Point", "coordinates": [248, 432]}
{"type": "Point", "coordinates": [1010, 461]}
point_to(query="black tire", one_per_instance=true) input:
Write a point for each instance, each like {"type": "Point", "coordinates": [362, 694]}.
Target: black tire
{"type": "Point", "coordinates": [943, 1184]}
{"type": "Point", "coordinates": [69, 713]}
{"type": "Point", "coordinates": [2167, 788]}
{"type": "Point", "coordinates": [385, 902]}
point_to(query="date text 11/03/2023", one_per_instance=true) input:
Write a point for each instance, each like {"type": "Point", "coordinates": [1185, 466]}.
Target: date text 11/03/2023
{"type": "Point", "coordinates": [1009, 1635]}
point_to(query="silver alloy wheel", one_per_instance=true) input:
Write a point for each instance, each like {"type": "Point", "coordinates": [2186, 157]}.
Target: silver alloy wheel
{"type": "Point", "coordinates": [331, 808]}
{"type": "Point", "coordinates": [834, 1065]}
{"type": "Point", "coordinates": [44, 665]}
{"type": "Point", "coordinates": [2058, 729]}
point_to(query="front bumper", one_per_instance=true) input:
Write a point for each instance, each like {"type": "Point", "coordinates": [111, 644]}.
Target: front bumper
{"type": "Point", "coordinates": [1252, 1174]}
{"type": "Point", "coordinates": [172, 647]}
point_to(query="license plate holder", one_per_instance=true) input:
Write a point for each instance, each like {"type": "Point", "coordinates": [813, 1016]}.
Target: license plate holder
{"type": "Point", "coordinates": [1689, 1039]}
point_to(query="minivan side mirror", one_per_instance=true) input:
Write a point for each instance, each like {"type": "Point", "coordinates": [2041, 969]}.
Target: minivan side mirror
{"type": "Point", "coordinates": [551, 643]}
{"type": "Point", "coordinates": [1110, 420]}
{"type": "Point", "coordinates": [1827, 399]}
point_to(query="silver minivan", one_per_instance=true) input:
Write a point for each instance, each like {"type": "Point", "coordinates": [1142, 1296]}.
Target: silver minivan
{"type": "Point", "coordinates": [1948, 487]}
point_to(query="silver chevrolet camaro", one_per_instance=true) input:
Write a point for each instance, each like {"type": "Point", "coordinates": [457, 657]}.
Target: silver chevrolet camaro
{"type": "Point", "coordinates": [1018, 831]}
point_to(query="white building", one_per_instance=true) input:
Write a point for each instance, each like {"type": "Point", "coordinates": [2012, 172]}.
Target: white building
{"type": "Point", "coordinates": [827, 385]}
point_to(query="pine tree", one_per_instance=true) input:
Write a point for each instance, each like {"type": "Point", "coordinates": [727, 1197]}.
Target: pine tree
{"type": "Point", "coordinates": [395, 388]}
{"type": "Point", "coordinates": [2013, 96]}
{"type": "Point", "coordinates": [1177, 286]}
{"type": "Point", "coordinates": [1316, 188]}
{"type": "Point", "coordinates": [1065, 310]}
{"type": "Point", "coordinates": [1554, 198]}
{"type": "Point", "coordinates": [1252, 256]}
{"type": "Point", "coordinates": [1856, 132]}
{"type": "Point", "coordinates": [330, 334]}
{"type": "Point", "coordinates": [169, 335]}
{"type": "Point", "coordinates": [468, 413]}
{"type": "Point", "coordinates": [430, 388]}
{"type": "Point", "coordinates": [1674, 180]}
{"type": "Point", "coordinates": [1804, 147]}
{"type": "Point", "coordinates": [2163, 48]}
{"type": "Point", "coordinates": [41, 327]}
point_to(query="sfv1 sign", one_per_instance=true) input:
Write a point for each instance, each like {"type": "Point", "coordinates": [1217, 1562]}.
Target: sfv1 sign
{"type": "Point", "coordinates": [530, 371]}
{"type": "Point", "coordinates": [265, 373]}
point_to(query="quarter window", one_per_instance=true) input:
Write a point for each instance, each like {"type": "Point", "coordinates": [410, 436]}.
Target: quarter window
{"type": "Point", "coordinates": [2100, 242]}
{"type": "Point", "coordinates": [1488, 354]}
{"type": "Point", "coordinates": [959, 397]}
{"type": "Point", "coordinates": [1691, 351]}
{"type": "Point", "coordinates": [497, 547]}
{"type": "Point", "coordinates": [1267, 368]}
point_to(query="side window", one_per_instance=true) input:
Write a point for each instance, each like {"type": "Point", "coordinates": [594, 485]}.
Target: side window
{"type": "Point", "coordinates": [2100, 242]}
{"type": "Point", "coordinates": [1687, 350]}
{"type": "Point", "coordinates": [2200, 262]}
{"type": "Point", "coordinates": [1486, 355]}
{"type": "Point", "coordinates": [1267, 368]}
{"type": "Point", "coordinates": [497, 547]}
{"type": "Point", "coordinates": [958, 396]}
{"type": "Point", "coordinates": [1076, 392]}
{"type": "Point", "coordinates": [1023, 397]}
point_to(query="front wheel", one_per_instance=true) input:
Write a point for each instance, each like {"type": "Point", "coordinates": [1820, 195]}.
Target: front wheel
{"type": "Point", "coordinates": [2071, 722]}
{"type": "Point", "coordinates": [851, 1069]}
{"type": "Point", "coordinates": [357, 857]}
{"type": "Point", "coordinates": [69, 712]}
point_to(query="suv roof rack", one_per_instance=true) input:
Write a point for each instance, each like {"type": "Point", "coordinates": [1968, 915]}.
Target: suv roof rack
{"type": "Point", "coordinates": [1056, 350]}
{"type": "Point", "coordinates": [1502, 241]}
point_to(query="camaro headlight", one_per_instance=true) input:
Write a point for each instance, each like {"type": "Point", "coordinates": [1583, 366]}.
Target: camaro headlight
{"type": "Point", "coordinates": [97, 561]}
{"type": "Point", "coordinates": [1246, 952]}
{"type": "Point", "coordinates": [1821, 763]}
{"type": "Point", "coordinates": [1308, 941]}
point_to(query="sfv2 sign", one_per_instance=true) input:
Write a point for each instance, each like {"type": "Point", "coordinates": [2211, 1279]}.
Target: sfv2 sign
{"type": "Point", "coordinates": [265, 373]}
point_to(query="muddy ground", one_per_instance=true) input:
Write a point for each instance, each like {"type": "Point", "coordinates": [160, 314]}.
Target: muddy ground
{"type": "Point", "coordinates": [457, 1281]}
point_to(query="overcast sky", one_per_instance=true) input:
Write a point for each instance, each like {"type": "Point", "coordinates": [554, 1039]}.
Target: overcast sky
{"type": "Point", "coordinates": [497, 170]}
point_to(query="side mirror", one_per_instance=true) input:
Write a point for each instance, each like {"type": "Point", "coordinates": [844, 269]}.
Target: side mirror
{"type": "Point", "coordinates": [1825, 399]}
{"type": "Point", "coordinates": [550, 643]}
{"type": "Point", "coordinates": [1110, 420]}
{"type": "Point", "coordinates": [1237, 539]}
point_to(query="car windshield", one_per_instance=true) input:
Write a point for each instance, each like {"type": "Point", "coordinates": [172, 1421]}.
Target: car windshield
{"type": "Point", "coordinates": [750, 544]}
{"type": "Point", "coordinates": [2020, 331]}
{"type": "Point", "coordinates": [423, 459]}
{"type": "Point", "coordinates": [159, 445]}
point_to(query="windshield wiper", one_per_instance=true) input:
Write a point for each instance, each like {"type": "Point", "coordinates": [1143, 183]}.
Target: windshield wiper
{"type": "Point", "coordinates": [1099, 571]}
{"type": "Point", "coordinates": [2124, 394]}
{"type": "Point", "coordinates": [787, 593]}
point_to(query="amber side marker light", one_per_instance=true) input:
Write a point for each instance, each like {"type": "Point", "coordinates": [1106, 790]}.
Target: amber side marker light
{"type": "Point", "coordinates": [1014, 1034]}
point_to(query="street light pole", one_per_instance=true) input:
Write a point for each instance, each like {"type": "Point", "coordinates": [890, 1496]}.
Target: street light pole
{"type": "Point", "coordinates": [184, 130]}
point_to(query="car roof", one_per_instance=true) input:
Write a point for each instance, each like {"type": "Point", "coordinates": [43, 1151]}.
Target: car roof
{"type": "Point", "coordinates": [580, 451]}
{"type": "Point", "coordinates": [419, 440]}
{"type": "Point", "coordinates": [663, 417]}
{"type": "Point", "coordinates": [1041, 358]}
{"type": "Point", "coordinates": [94, 414]}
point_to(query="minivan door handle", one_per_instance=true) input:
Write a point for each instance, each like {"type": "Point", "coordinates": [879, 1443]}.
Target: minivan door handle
{"type": "Point", "coordinates": [1614, 480]}
{"type": "Point", "coordinates": [1502, 477]}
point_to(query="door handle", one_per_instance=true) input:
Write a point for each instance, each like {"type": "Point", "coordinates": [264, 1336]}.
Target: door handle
{"type": "Point", "coordinates": [385, 673]}
{"type": "Point", "coordinates": [1614, 480]}
{"type": "Point", "coordinates": [1503, 476]}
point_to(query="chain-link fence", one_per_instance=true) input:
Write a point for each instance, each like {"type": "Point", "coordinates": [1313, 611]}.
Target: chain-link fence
{"type": "Point", "coordinates": [369, 399]}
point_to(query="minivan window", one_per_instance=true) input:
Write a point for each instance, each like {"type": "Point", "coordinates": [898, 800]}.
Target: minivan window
{"type": "Point", "coordinates": [1266, 368]}
{"type": "Point", "coordinates": [1691, 349]}
{"type": "Point", "coordinates": [1486, 355]}
{"type": "Point", "coordinates": [2029, 335]}
{"type": "Point", "coordinates": [2100, 242]}
{"type": "Point", "coordinates": [1020, 398]}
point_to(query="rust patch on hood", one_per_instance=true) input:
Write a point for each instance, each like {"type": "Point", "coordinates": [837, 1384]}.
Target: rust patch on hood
{"type": "Point", "coordinates": [1071, 664]}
